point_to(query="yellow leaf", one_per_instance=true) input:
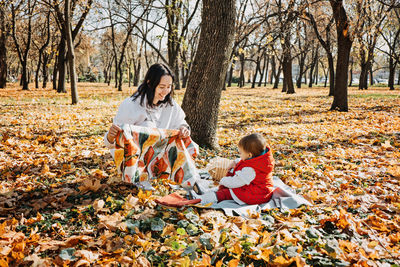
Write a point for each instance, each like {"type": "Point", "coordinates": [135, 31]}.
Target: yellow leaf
{"type": "Point", "coordinates": [373, 244]}
{"type": "Point", "coordinates": [233, 263]}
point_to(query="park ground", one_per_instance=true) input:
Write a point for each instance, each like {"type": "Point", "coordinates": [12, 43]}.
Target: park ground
{"type": "Point", "coordinates": [62, 202]}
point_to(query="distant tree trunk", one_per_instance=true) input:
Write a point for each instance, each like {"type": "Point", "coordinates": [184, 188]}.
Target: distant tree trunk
{"type": "Point", "coordinates": [61, 61]}
{"type": "Point", "coordinates": [71, 52]}
{"type": "Point", "coordinates": [398, 77]}
{"type": "Point", "coordinates": [45, 69]}
{"type": "Point", "coordinates": [371, 74]}
{"type": "Point", "coordinates": [241, 79]}
{"type": "Point", "coordinates": [344, 44]}
{"type": "Point", "coordinates": [314, 64]}
{"type": "Point", "coordinates": [305, 76]}
{"type": "Point", "coordinates": [287, 74]}
{"type": "Point", "coordinates": [277, 77]}
{"type": "Point", "coordinates": [363, 84]}
{"type": "Point", "coordinates": [3, 58]}
{"type": "Point", "coordinates": [258, 70]}
{"type": "Point", "coordinates": [38, 70]}
{"type": "Point", "coordinates": [351, 73]}
{"type": "Point", "coordinates": [137, 67]}
{"type": "Point", "coordinates": [326, 78]}
{"type": "Point", "coordinates": [301, 70]}
{"type": "Point", "coordinates": [55, 74]}
{"type": "Point", "coordinates": [265, 72]}
{"type": "Point", "coordinates": [392, 68]}
{"type": "Point", "coordinates": [284, 84]}
{"type": "Point", "coordinates": [114, 45]}
{"type": "Point", "coordinates": [23, 55]}
{"type": "Point", "coordinates": [230, 76]}
{"type": "Point", "coordinates": [331, 75]}
{"type": "Point", "coordinates": [207, 78]}
{"type": "Point", "coordinates": [273, 70]}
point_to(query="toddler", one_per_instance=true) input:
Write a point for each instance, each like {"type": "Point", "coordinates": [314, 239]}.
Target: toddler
{"type": "Point", "coordinates": [251, 180]}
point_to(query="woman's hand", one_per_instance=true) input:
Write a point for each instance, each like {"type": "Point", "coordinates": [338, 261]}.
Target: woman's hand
{"type": "Point", "coordinates": [183, 132]}
{"type": "Point", "coordinates": [112, 133]}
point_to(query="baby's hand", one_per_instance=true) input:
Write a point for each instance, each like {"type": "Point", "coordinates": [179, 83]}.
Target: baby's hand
{"type": "Point", "coordinates": [232, 165]}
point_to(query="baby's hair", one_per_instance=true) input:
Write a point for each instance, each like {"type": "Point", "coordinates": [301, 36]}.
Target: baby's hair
{"type": "Point", "coordinates": [253, 143]}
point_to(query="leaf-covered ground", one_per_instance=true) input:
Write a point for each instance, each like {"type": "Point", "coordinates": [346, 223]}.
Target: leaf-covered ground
{"type": "Point", "coordinates": [61, 202]}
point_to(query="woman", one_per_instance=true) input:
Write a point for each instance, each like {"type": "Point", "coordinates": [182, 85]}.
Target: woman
{"type": "Point", "coordinates": [151, 106]}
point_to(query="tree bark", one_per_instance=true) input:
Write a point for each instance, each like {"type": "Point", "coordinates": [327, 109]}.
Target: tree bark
{"type": "Point", "coordinates": [344, 44]}
{"type": "Point", "coordinates": [207, 78]}
{"type": "Point", "coordinates": [71, 52]}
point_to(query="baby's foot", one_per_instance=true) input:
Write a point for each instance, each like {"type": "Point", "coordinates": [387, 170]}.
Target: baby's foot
{"type": "Point", "coordinates": [208, 197]}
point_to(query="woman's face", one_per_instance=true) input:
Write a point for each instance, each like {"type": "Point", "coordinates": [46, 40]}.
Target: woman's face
{"type": "Point", "coordinates": [162, 89]}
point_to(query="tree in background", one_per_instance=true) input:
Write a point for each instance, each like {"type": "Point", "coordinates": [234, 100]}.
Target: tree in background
{"type": "Point", "coordinates": [21, 14]}
{"type": "Point", "coordinates": [344, 43]}
{"type": "Point", "coordinates": [373, 14]}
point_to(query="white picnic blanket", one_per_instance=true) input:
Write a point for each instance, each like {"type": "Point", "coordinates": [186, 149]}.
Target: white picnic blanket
{"type": "Point", "coordinates": [283, 198]}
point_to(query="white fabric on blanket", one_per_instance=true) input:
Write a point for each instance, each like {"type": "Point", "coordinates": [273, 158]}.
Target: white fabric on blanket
{"type": "Point", "coordinates": [283, 197]}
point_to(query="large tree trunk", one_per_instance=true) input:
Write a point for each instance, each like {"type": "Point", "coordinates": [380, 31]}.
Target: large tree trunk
{"type": "Point", "coordinates": [207, 78]}
{"type": "Point", "coordinates": [312, 67]}
{"type": "Point", "coordinates": [71, 52]}
{"type": "Point", "coordinates": [344, 44]}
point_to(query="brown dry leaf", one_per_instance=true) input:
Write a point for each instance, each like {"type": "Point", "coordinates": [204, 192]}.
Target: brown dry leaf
{"type": "Point", "coordinates": [112, 222]}
{"type": "Point", "coordinates": [90, 185]}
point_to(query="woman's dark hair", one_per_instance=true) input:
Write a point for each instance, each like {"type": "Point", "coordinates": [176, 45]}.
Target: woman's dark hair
{"type": "Point", "coordinates": [253, 143]}
{"type": "Point", "coordinates": [151, 81]}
